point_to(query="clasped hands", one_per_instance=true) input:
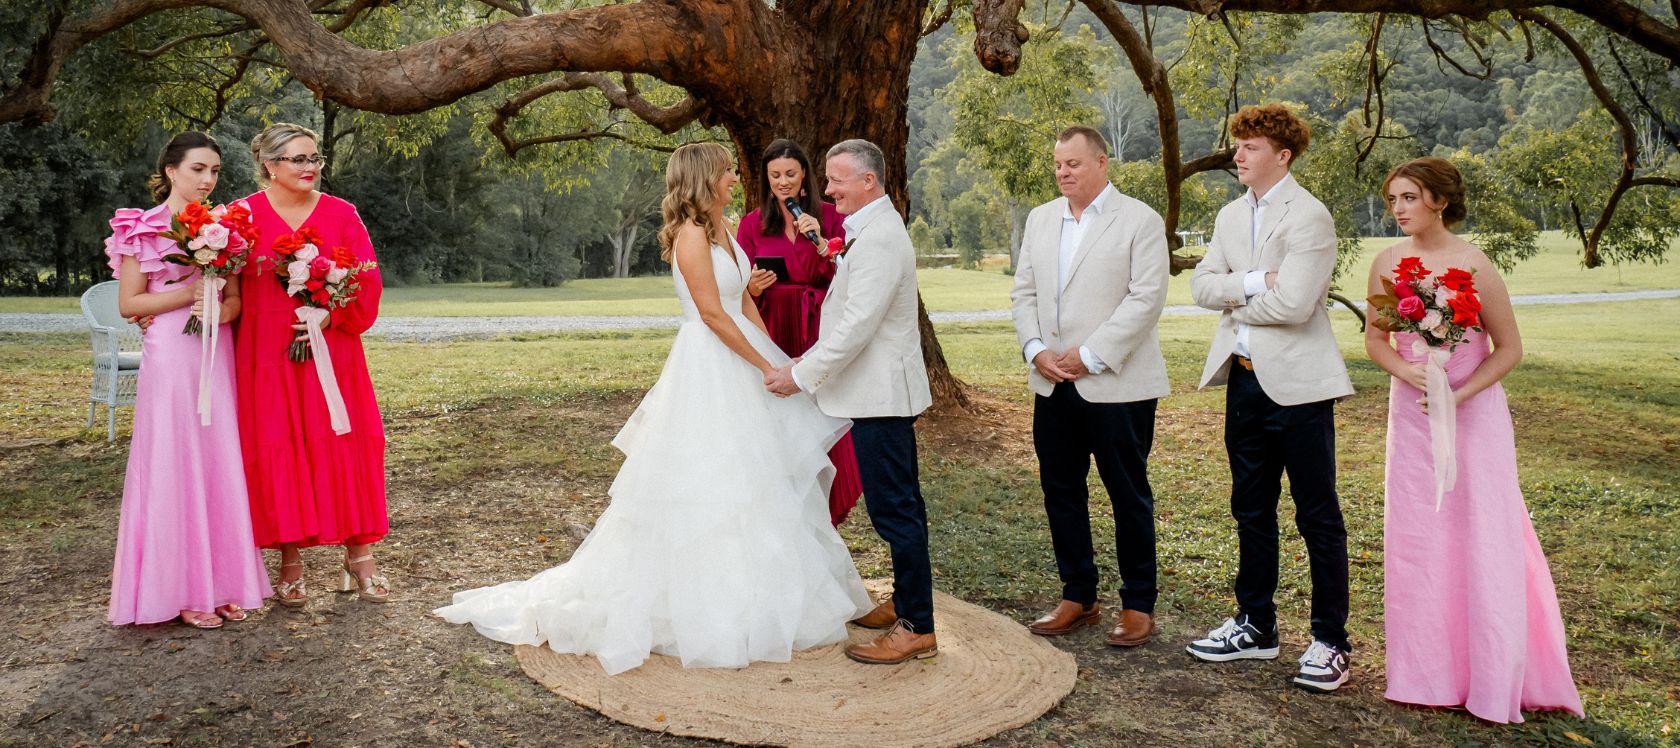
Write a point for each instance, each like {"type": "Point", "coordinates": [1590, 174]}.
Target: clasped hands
{"type": "Point", "coordinates": [1064, 367]}
{"type": "Point", "coordinates": [780, 381]}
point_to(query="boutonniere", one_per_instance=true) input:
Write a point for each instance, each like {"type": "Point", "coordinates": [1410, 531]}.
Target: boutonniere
{"type": "Point", "coordinates": [837, 249]}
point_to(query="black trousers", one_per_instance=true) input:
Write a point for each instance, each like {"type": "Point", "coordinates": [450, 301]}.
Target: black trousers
{"type": "Point", "coordinates": [892, 491]}
{"type": "Point", "coordinates": [1068, 432]}
{"type": "Point", "coordinates": [1266, 440]}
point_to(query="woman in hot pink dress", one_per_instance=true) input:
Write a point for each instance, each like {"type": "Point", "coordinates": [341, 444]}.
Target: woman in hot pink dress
{"type": "Point", "coordinates": [1470, 613]}
{"type": "Point", "coordinates": [184, 540]}
{"type": "Point", "coordinates": [791, 309]}
{"type": "Point", "coordinates": [309, 486]}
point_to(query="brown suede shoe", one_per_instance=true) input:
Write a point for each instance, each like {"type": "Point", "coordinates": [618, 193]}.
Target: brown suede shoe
{"type": "Point", "coordinates": [1132, 629]}
{"type": "Point", "coordinates": [900, 644]}
{"type": "Point", "coordinates": [1067, 616]}
{"type": "Point", "coordinates": [882, 617]}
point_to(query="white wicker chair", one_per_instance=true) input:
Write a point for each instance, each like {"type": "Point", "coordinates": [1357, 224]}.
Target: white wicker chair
{"type": "Point", "coordinates": [116, 372]}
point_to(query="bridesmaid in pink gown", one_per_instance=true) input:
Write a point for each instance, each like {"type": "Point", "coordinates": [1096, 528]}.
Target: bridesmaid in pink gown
{"type": "Point", "coordinates": [184, 540]}
{"type": "Point", "coordinates": [309, 486]}
{"type": "Point", "coordinates": [792, 309]}
{"type": "Point", "coordinates": [1471, 616]}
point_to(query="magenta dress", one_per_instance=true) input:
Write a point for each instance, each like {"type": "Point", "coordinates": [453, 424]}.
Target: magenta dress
{"type": "Point", "coordinates": [184, 538]}
{"type": "Point", "coordinates": [308, 485]}
{"type": "Point", "coordinates": [792, 313]}
{"type": "Point", "coordinates": [1471, 616]}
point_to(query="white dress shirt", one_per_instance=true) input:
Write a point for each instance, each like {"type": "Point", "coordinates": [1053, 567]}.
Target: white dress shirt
{"type": "Point", "coordinates": [1254, 281]}
{"type": "Point", "coordinates": [1073, 233]}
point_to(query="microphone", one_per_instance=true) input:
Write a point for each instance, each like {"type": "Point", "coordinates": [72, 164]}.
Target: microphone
{"type": "Point", "coordinates": [793, 207]}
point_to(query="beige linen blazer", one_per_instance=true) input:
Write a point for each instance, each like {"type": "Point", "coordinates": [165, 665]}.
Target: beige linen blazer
{"type": "Point", "coordinates": [867, 362]}
{"type": "Point", "coordinates": [1111, 304]}
{"type": "Point", "coordinates": [1289, 338]}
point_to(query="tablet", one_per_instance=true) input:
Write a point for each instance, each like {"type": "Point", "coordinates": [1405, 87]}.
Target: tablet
{"type": "Point", "coordinates": [777, 265]}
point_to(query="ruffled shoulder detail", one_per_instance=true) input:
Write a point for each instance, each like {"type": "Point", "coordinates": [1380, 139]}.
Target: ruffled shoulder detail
{"type": "Point", "coordinates": [137, 233]}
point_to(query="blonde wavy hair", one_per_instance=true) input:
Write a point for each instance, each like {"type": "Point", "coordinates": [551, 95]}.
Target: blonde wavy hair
{"type": "Point", "coordinates": [690, 179]}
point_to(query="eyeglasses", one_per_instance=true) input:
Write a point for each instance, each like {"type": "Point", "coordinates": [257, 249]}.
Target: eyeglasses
{"type": "Point", "coordinates": [303, 162]}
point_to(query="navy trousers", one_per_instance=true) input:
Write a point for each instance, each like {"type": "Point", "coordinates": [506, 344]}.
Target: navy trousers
{"type": "Point", "coordinates": [892, 492]}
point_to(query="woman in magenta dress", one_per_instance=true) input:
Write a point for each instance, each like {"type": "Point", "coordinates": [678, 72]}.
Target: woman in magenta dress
{"type": "Point", "coordinates": [1470, 614]}
{"type": "Point", "coordinates": [184, 545]}
{"type": "Point", "coordinates": [791, 309]}
{"type": "Point", "coordinates": [309, 486]}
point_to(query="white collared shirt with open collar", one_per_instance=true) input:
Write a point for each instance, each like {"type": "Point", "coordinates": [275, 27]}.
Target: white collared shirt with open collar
{"type": "Point", "coordinates": [1073, 233]}
{"type": "Point", "coordinates": [1254, 281]}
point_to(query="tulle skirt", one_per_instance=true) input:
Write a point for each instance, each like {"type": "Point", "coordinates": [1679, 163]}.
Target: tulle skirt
{"type": "Point", "coordinates": [716, 547]}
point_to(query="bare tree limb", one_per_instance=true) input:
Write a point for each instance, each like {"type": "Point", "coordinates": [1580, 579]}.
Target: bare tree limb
{"type": "Point", "coordinates": [939, 19]}
{"type": "Point", "coordinates": [665, 119]}
{"type": "Point", "coordinates": [155, 52]}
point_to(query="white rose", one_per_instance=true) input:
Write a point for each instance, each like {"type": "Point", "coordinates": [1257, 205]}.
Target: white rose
{"type": "Point", "coordinates": [204, 256]}
{"type": "Point", "coordinates": [337, 274]}
{"type": "Point", "coordinates": [1431, 320]}
{"type": "Point", "coordinates": [307, 253]}
{"type": "Point", "coordinates": [296, 274]}
{"type": "Point", "coordinates": [214, 236]}
{"type": "Point", "coordinates": [1440, 331]}
{"type": "Point", "coordinates": [1444, 295]}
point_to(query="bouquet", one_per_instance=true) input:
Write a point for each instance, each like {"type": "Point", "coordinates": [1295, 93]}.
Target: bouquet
{"type": "Point", "coordinates": [215, 240]}
{"type": "Point", "coordinates": [1441, 310]}
{"type": "Point", "coordinates": [322, 280]}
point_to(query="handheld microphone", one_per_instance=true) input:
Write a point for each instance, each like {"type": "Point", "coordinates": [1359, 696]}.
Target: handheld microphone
{"type": "Point", "coordinates": [793, 207]}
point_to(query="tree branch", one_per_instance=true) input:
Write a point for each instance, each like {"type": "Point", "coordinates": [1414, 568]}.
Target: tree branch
{"type": "Point", "coordinates": [943, 17]}
{"type": "Point", "coordinates": [155, 52]}
{"type": "Point", "coordinates": [1624, 126]}
{"type": "Point", "coordinates": [998, 34]}
{"type": "Point", "coordinates": [665, 119]}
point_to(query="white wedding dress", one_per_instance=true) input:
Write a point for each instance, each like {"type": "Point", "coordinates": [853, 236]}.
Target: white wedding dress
{"type": "Point", "coordinates": [716, 547]}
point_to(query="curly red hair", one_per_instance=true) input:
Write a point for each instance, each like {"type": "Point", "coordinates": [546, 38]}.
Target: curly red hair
{"type": "Point", "coordinates": [1274, 122]}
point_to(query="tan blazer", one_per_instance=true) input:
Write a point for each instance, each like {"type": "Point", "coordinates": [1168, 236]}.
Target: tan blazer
{"type": "Point", "coordinates": [867, 362]}
{"type": "Point", "coordinates": [1289, 337]}
{"type": "Point", "coordinates": [1116, 288]}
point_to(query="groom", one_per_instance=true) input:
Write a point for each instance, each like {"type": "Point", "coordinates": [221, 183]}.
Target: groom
{"type": "Point", "coordinates": [867, 366]}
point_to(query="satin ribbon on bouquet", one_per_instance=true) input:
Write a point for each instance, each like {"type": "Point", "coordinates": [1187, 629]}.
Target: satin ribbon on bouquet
{"type": "Point", "coordinates": [1443, 417]}
{"type": "Point", "coordinates": [312, 317]}
{"type": "Point", "coordinates": [212, 316]}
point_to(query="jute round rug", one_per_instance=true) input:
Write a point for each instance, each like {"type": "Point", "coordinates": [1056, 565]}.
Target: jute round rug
{"type": "Point", "coordinates": [991, 675]}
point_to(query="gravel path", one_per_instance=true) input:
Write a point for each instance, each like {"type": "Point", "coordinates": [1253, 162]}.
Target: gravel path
{"type": "Point", "coordinates": [424, 329]}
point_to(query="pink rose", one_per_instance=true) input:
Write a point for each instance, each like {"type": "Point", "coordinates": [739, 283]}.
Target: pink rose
{"type": "Point", "coordinates": [1411, 308]}
{"type": "Point", "coordinates": [320, 265]}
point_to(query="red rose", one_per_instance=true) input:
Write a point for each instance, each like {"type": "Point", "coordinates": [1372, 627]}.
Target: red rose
{"type": "Point", "coordinates": [1466, 309]}
{"type": "Point", "coordinates": [220, 261]}
{"type": "Point", "coordinates": [1409, 269]}
{"type": "Point", "coordinates": [288, 244]}
{"type": "Point", "coordinates": [1458, 280]}
{"type": "Point", "coordinates": [1411, 308]}
{"type": "Point", "coordinates": [194, 217]}
{"type": "Point", "coordinates": [320, 265]}
{"type": "Point", "coordinates": [320, 297]}
{"type": "Point", "coordinates": [343, 257]}
{"type": "Point", "coordinates": [1404, 291]}
{"type": "Point", "coordinates": [314, 285]}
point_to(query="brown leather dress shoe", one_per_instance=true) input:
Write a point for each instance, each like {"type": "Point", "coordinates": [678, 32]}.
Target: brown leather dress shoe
{"type": "Point", "coordinates": [882, 617]}
{"type": "Point", "coordinates": [1067, 616]}
{"type": "Point", "coordinates": [900, 644]}
{"type": "Point", "coordinates": [1132, 629]}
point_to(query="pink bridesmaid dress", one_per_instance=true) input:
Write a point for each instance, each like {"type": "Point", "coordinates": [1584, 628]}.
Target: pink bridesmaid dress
{"type": "Point", "coordinates": [308, 485]}
{"type": "Point", "coordinates": [184, 540]}
{"type": "Point", "coordinates": [1471, 616]}
{"type": "Point", "coordinates": [792, 312]}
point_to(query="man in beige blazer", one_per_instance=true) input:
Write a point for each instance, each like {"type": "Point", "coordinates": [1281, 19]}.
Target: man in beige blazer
{"type": "Point", "coordinates": [1268, 269]}
{"type": "Point", "coordinates": [867, 366]}
{"type": "Point", "coordinates": [1089, 288]}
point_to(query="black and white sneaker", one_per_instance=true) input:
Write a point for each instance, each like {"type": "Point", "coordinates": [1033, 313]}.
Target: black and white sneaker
{"type": "Point", "coordinates": [1324, 668]}
{"type": "Point", "coordinates": [1236, 639]}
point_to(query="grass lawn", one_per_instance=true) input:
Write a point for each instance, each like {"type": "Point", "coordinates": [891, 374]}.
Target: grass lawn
{"type": "Point", "coordinates": [499, 459]}
{"type": "Point", "coordinates": [1557, 269]}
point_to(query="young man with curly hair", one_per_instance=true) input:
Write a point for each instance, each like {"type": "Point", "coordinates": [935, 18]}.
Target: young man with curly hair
{"type": "Point", "coordinates": [1268, 271]}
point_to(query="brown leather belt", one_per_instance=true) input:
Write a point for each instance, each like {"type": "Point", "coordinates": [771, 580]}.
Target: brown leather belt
{"type": "Point", "coordinates": [1244, 361]}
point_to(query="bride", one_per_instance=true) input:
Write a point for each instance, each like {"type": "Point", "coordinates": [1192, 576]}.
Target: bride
{"type": "Point", "coordinates": [716, 547]}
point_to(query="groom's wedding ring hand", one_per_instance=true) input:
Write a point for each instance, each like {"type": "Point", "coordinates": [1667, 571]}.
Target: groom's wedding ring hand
{"type": "Point", "coordinates": [1072, 363]}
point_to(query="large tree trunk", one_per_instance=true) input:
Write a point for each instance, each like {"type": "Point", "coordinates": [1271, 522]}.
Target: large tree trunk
{"type": "Point", "coordinates": [851, 81]}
